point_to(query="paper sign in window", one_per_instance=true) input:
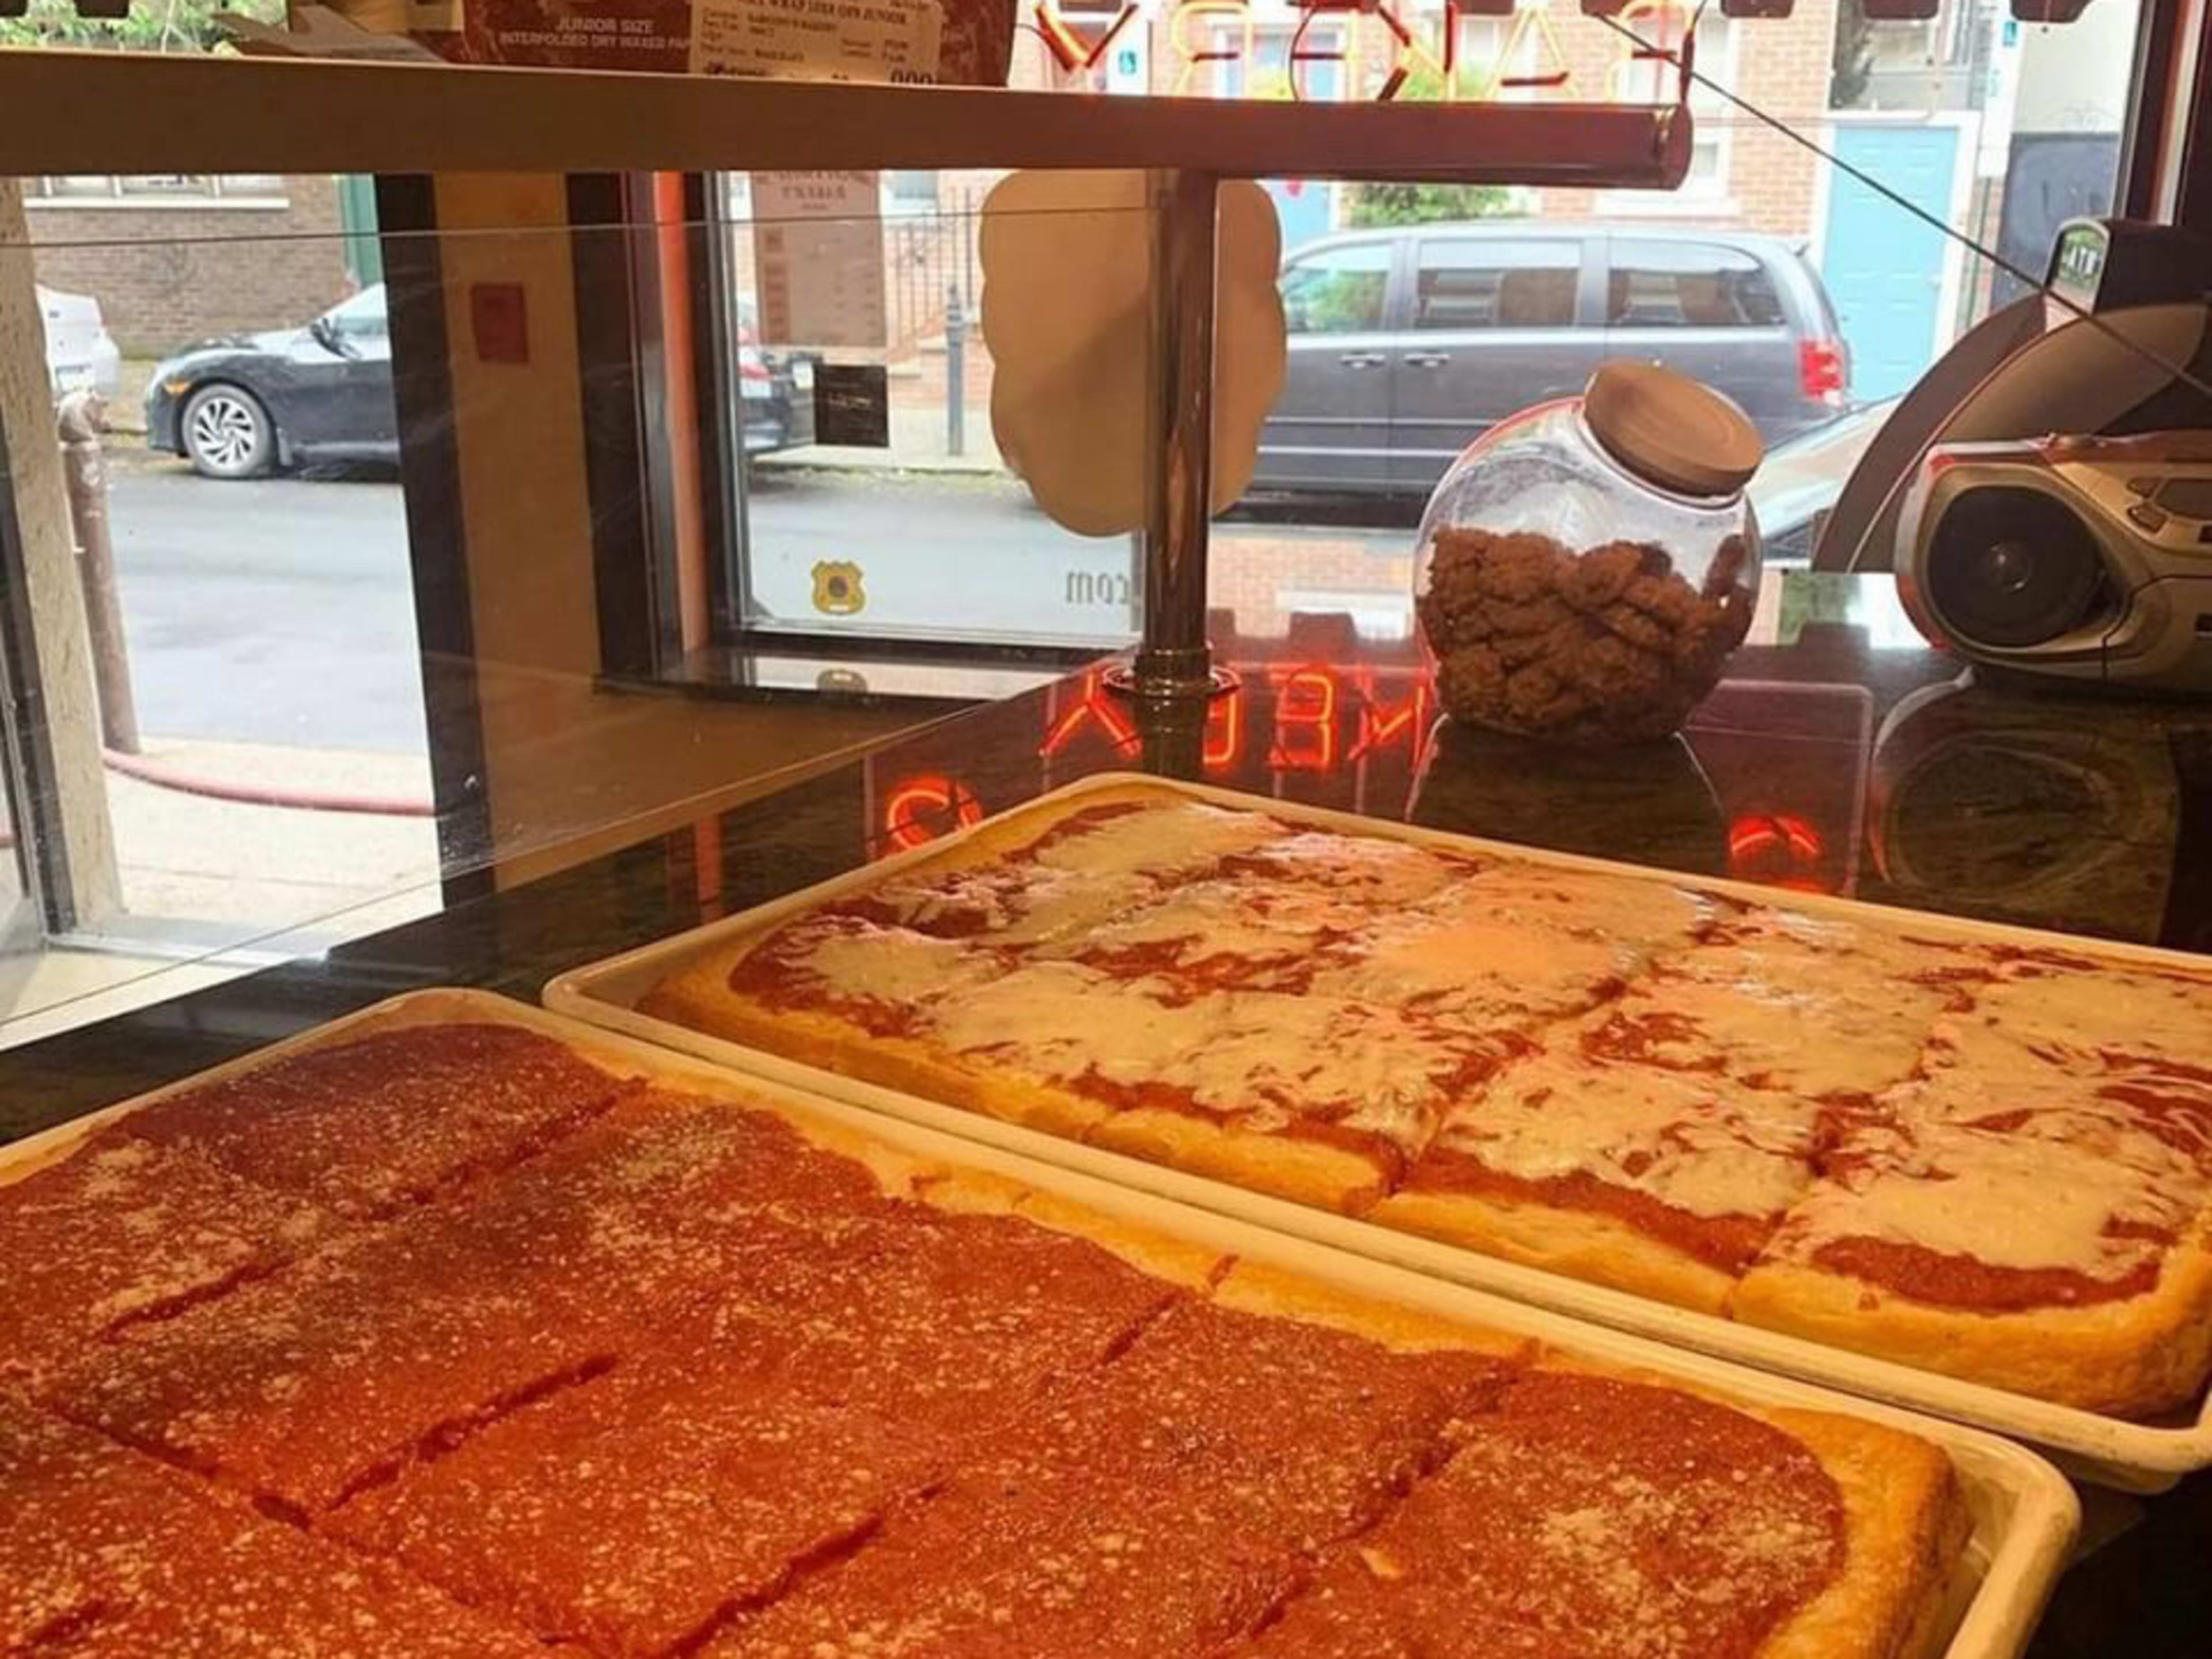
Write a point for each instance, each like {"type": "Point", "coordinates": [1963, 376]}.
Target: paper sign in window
{"type": "Point", "coordinates": [818, 259]}
{"type": "Point", "coordinates": [817, 39]}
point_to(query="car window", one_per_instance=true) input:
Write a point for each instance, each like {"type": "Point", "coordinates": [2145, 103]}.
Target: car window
{"type": "Point", "coordinates": [363, 314]}
{"type": "Point", "coordinates": [1689, 285]}
{"type": "Point", "coordinates": [1339, 290]}
{"type": "Point", "coordinates": [1479, 282]}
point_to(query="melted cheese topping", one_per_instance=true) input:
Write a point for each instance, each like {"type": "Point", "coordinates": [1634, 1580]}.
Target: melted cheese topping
{"type": "Point", "coordinates": [1646, 914]}
{"type": "Point", "coordinates": [2038, 1020]}
{"type": "Point", "coordinates": [1698, 1144]}
{"type": "Point", "coordinates": [1462, 955]}
{"type": "Point", "coordinates": [1374, 869]}
{"type": "Point", "coordinates": [892, 965]}
{"type": "Point", "coordinates": [1157, 839]}
{"type": "Point", "coordinates": [2029, 1178]}
{"type": "Point", "coordinates": [1265, 1059]}
{"type": "Point", "coordinates": [1229, 918]}
{"type": "Point", "coordinates": [1773, 1024]}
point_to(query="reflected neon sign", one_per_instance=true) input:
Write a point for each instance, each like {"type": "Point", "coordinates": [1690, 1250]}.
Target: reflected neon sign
{"type": "Point", "coordinates": [1324, 719]}
{"type": "Point", "coordinates": [922, 808]}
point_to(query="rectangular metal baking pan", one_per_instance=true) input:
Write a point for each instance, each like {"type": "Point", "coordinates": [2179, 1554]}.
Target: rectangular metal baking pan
{"type": "Point", "coordinates": [2133, 1456]}
{"type": "Point", "coordinates": [2025, 1515]}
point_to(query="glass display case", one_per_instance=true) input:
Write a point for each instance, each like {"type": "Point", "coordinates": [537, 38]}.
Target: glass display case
{"type": "Point", "coordinates": [520, 516]}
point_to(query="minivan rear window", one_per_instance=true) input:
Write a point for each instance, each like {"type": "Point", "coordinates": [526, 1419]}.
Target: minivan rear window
{"type": "Point", "coordinates": [1689, 285]}
{"type": "Point", "coordinates": [1484, 284]}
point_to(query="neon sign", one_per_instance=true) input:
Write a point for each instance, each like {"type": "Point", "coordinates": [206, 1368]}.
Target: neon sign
{"type": "Point", "coordinates": [1348, 35]}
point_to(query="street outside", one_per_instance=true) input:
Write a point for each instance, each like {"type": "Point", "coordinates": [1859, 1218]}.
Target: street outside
{"type": "Point", "coordinates": [271, 640]}
{"type": "Point", "coordinates": [281, 610]}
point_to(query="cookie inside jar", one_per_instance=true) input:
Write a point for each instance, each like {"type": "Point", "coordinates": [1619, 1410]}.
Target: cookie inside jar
{"type": "Point", "coordinates": [1586, 569]}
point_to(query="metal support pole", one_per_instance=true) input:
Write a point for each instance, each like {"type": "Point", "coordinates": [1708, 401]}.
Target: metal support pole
{"type": "Point", "coordinates": [956, 373]}
{"type": "Point", "coordinates": [1173, 662]}
{"type": "Point", "coordinates": [84, 470]}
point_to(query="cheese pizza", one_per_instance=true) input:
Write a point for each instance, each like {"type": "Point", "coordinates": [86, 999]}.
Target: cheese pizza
{"type": "Point", "coordinates": [1846, 1127]}
{"type": "Point", "coordinates": [706, 1375]}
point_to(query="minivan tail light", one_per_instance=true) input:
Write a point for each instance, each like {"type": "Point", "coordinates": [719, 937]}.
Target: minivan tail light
{"type": "Point", "coordinates": [1824, 370]}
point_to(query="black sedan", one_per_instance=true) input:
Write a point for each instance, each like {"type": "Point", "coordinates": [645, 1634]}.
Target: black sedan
{"type": "Point", "coordinates": [239, 407]}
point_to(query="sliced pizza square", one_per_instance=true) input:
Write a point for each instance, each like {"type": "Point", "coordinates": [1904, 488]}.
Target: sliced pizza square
{"type": "Point", "coordinates": [1490, 956]}
{"type": "Point", "coordinates": [106, 1554]}
{"type": "Point", "coordinates": [960, 1322]}
{"type": "Point", "coordinates": [2084, 1015]}
{"type": "Point", "coordinates": [1665, 1183]}
{"type": "Point", "coordinates": [666, 1198]}
{"type": "Point", "coordinates": [1662, 1524]}
{"type": "Point", "coordinates": [1056, 1563]}
{"type": "Point", "coordinates": [2039, 1234]}
{"type": "Point", "coordinates": [121, 1232]}
{"type": "Point", "coordinates": [1648, 914]}
{"type": "Point", "coordinates": [370, 1126]}
{"type": "Point", "coordinates": [1810, 1006]}
{"type": "Point", "coordinates": [1305, 1434]}
{"type": "Point", "coordinates": [311, 1385]}
{"type": "Point", "coordinates": [634, 1513]}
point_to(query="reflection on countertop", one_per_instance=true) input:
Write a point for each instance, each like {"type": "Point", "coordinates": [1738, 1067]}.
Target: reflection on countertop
{"type": "Point", "coordinates": [1836, 757]}
{"type": "Point", "coordinates": [1839, 756]}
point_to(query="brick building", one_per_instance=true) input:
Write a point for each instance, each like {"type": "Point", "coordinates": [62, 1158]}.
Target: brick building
{"type": "Point", "coordinates": [1744, 173]}
{"type": "Point", "coordinates": [177, 258]}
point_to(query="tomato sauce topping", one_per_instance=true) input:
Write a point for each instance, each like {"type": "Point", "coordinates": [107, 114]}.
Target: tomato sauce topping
{"type": "Point", "coordinates": [1945, 1279]}
{"type": "Point", "coordinates": [1662, 1526]}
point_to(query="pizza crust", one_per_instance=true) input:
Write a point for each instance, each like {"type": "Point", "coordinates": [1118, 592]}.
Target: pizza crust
{"type": "Point", "coordinates": [2136, 1358]}
{"type": "Point", "coordinates": [1579, 1244]}
{"type": "Point", "coordinates": [700, 997]}
{"type": "Point", "coordinates": [1906, 1524]}
{"type": "Point", "coordinates": [1194, 1267]}
{"type": "Point", "coordinates": [1278, 1294]}
{"type": "Point", "coordinates": [1283, 1166]}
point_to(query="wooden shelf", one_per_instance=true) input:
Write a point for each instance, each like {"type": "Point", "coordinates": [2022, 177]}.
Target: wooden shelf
{"type": "Point", "coordinates": [96, 113]}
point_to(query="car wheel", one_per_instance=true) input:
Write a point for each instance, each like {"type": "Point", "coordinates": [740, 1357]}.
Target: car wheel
{"type": "Point", "coordinates": [227, 434]}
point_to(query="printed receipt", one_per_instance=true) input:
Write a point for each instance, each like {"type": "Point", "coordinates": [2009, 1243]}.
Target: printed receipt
{"type": "Point", "coordinates": [817, 39]}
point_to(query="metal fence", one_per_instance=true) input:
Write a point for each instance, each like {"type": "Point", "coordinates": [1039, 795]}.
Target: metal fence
{"type": "Point", "coordinates": [932, 262]}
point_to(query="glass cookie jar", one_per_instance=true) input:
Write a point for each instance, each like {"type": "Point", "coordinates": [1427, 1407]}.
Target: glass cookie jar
{"type": "Point", "coordinates": [1586, 568]}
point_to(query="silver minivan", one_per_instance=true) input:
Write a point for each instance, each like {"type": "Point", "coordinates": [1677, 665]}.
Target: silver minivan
{"type": "Point", "coordinates": [1407, 343]}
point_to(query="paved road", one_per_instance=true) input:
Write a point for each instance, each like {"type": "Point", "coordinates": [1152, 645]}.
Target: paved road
{"type": "Point", "coordinates": [280, 611]}
{"type": "Point", "coordinates": [275, 611]}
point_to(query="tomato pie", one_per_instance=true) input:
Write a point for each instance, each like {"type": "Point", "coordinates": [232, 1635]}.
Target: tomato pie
{"type": "Point", "coordinates": [679, 1375]}
{"type": "Point", "coordinates": [1977, 1157]}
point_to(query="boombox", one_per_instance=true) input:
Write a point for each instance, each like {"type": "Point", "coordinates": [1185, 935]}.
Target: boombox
{"type": "Point", "coordinates": [2089, 559]}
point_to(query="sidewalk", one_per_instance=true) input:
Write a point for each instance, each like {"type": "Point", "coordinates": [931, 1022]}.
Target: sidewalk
{"type": "Point", "coordinates": [263, 868]}
{"type": "Point", "coordinates": [212, 889]}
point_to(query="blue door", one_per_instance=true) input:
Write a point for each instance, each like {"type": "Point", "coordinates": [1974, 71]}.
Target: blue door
{"type": "Point", "coordinates": [1883, 267]}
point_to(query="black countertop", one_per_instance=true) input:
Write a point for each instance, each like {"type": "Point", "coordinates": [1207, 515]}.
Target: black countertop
{"type": "Point", "coordinates": [1842, 755]}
